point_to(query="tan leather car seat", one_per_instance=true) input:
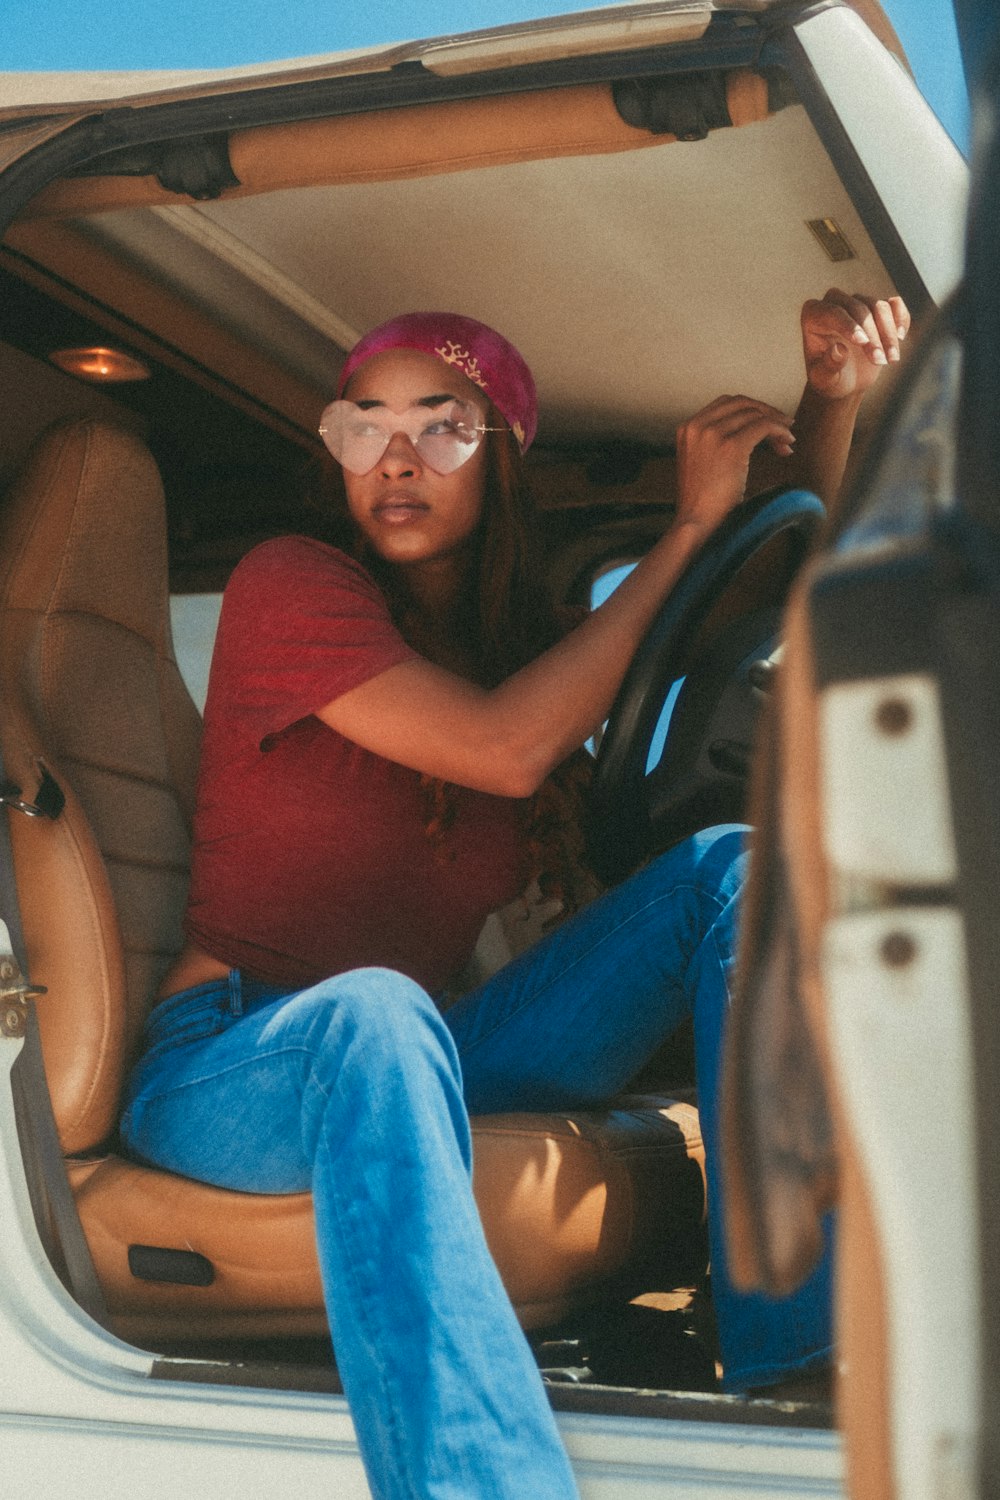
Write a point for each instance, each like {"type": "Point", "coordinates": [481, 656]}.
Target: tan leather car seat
{"type": "Point", "coordinates": [572, 1205]}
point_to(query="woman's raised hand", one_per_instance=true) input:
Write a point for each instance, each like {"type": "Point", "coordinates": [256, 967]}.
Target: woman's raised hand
{"type": "Point", "coordinates": [849, 339]}
{"type": "Point", "coordinates": [713, 455]}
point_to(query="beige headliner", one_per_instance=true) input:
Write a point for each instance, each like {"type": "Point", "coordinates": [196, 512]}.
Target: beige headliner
{"type": "Point", "coordinates": [641, 276]}
{"type": "Point", "coordinates": [599, 267]}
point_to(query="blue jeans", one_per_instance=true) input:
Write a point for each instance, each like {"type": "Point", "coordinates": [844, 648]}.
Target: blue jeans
{"type": "Point", "coordinates": [360, 1089]}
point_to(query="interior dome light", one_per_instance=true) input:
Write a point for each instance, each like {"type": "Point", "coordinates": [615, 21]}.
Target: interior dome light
{"type": "Point", "coordinates": [100, 365]}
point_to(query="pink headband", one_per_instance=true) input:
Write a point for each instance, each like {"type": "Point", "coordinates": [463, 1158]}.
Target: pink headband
{"type": "Point", "coordinates": [479, 352]}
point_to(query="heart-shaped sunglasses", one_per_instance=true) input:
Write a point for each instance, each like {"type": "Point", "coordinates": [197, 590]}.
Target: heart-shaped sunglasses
{"type": "Point", "coordinates": [445, 436]}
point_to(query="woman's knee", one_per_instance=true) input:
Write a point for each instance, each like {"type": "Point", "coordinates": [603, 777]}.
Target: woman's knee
{"type": "Point", "coordinates": [714, 859]}
{"type": "Point", "coordinates": [379, 1052]}
{"type": "Point", "coordinates": [375, 1012]}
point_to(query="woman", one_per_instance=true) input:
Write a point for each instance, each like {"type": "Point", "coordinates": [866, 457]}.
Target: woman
{"type": "Point", "coordinates": [378, 741]}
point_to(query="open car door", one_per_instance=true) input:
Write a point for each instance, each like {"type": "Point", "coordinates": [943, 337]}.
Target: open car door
{"type": "Point", "coordinates": [866, 1064]}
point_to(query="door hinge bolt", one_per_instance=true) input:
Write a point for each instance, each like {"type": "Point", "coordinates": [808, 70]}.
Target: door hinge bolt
{"type": "Point", "coordinates": [898, 950]}
{"type": "Point", "coordinates": [894, 716]}
{"type": "Point", "coordinates": [13, 1018]}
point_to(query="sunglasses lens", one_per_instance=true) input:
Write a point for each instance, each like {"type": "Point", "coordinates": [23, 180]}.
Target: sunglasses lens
{"type": "Point", "coordinates": [444, 438]}
{"type": "Point", "coordinates": [353, 437]}
{"type": "Point", "coordinates": [449, 437]}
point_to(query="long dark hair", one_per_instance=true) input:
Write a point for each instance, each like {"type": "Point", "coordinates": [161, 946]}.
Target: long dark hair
{"type": "Point", "coordinates": [509, 617]}
{"type": "Point", "coordinates": [508, 610]}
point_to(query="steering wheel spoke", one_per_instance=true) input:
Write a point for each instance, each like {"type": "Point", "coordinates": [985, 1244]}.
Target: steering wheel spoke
{"type": "Point", "coordinates": [728, 651]}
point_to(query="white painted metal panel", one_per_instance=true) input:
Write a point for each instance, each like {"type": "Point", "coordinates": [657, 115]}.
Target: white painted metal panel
{"type": "Point", "coordinates": [918, 173]}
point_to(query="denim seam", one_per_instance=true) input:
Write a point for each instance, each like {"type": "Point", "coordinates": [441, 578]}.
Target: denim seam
{"type": "Point", "coordinates": [540, 989]}
{"type": "Point", "coordinates": [203, 1078]}
{"type": "Point", "coordinates": [379, 1339]}
{"type": "Point", "coordinates": [362, 1310]}
{"type": "Point", "coordinates": [723, 959]}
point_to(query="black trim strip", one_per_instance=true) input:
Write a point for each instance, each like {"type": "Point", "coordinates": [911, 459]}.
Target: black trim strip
{"type": "Point", "coordinates": [596, 1400]}
{"type": "Point", "coordinates": [52, 1200]}
{"type": "Point", "coordinates": [970, 693]}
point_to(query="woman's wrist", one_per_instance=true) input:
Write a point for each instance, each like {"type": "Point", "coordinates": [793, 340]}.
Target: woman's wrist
{"type": "Point", "coordinates": [692, 523]}
{"type": "Point", "coordinates": [700, 516]}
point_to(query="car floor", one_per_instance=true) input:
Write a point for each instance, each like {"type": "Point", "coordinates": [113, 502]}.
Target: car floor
{"type": "Point", "coordinates": [656, 1356]}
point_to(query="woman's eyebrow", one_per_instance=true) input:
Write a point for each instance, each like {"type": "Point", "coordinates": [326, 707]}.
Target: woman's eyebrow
{"type": "Point", "coordinates": [428, 401]}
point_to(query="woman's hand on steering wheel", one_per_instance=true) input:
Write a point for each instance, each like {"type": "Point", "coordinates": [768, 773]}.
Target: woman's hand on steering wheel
{"type": "Point", "coordinates": [713, 455]}
{"type": "Point", "coordinates": [848, 341]}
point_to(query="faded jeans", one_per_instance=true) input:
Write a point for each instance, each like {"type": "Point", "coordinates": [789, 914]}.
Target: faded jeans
{"type": "Point", "coordinates": [360, 1089]}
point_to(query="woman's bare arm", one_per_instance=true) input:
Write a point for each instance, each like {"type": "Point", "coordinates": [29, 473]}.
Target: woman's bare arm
{"type": "Point", "coordinates": [847, 341]}
{"type": "Point", "coordinates": [506, 740]}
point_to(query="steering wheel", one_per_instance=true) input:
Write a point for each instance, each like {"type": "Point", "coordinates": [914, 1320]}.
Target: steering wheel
{"type": "Point", "coordinates": [726, 653]}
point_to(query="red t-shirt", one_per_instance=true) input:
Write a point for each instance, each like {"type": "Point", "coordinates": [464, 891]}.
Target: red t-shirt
{"type": "Point", "coordinates": [310, 854]}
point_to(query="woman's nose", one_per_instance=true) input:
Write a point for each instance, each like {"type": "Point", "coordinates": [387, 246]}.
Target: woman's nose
{"type": "Point", "coordinates": [400, 457]}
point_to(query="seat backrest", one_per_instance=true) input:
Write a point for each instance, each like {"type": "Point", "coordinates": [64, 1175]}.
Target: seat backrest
{"type": "Point", "coordinates": [90, 690]}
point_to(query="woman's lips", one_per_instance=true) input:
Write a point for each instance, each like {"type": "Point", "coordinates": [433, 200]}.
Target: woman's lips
{"type": "Point", "coordinates": [394, 510]}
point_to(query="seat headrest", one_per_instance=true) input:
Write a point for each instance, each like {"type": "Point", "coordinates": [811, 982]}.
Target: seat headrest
{"type": "Point", "coordinates": [83, 530]}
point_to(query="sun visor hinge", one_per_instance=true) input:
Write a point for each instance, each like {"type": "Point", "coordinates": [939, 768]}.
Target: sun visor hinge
{"type": "Point", "coordinates": [198, 166]}
{"type": "Point", "coordinates": [687, 106]}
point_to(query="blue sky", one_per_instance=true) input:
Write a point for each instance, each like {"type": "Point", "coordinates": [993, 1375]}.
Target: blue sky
{"type": "Point", "coordinates": [113, 34]}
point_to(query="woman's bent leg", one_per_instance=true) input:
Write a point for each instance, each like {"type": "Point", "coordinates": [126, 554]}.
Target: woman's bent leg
{"type": "Point", "coordinates": [763, 1339]}
{"type": "Point", "coordinates": [353, 1089]}
{"type": "Point", "coordinates": [572, 1021]}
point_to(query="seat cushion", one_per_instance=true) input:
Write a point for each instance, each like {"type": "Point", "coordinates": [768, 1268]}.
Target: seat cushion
{"type": "Point", "coordinates": [572, 1205]}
